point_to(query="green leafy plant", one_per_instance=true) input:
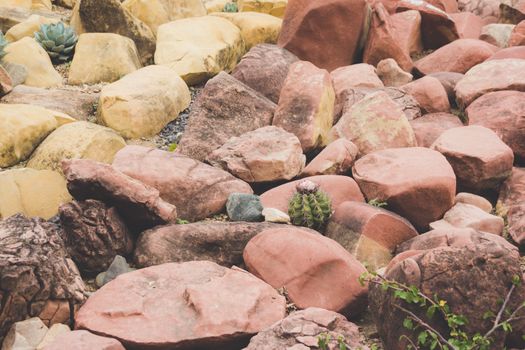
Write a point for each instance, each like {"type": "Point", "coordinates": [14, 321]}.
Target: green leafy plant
{"type": "Point", "coordinates": [324, 340]}
{"type": "Point", "coordinates": [58, 40]}
{"type": "Point", "coordinates": [309, 206]}
{"type": "Point", "coordinates": [182, 222]}
{"type": "Point", "coordinates": [172, 147]}
{"type": "Point", "coordinates": [231, 7]}
{"type": "Point", "coordinates": [377, 203]}
{"type": "Point", "coordinates": [3, 45]}
{"type": "Point", "coordinates": [430, 338]}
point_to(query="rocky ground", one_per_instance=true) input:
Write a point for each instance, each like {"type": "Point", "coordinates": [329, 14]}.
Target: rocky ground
{"type": "Point", "coordinates": [262, 174]}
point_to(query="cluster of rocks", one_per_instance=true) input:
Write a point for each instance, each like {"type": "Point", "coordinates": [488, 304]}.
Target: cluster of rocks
{"type": "Point", "coordinates": [410, 119]}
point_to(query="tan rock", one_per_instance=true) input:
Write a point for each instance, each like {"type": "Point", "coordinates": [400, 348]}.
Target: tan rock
{"type": "Point", "coordinates": [76, 140]}
{"type": "Point", "coordinates": [40, 71]}
{"type": "Point", "coordinates": [28, 27]}
{"type": "Point", "coordinates": [263, 155]}
{"type": "Point", "coordinates": [75, 21]}
{"type": "Point", "coordinates": [41, 5]}
{"type": "Point", "coordinates": [28, 4]}
{"type": "Point", "coordinates": [54, 331]}
{"type": "Point", "coordinates": [200, 47]}
{"type": "Point", "coordinates": [391, 74]}
{"type": "Point", "coordinates": [102, 57]}
{"type": "Point", "coordinates": [157, 12]}
{"type": "Point", "coordinates": [306, 105]}
{"type": "Point", "coordinates": [272, 7]}
{"type": "Point", "coordinates": [256, 28]}
{"type": "Point", "coordinates": [472, 199]}
{"type": "Point", "coordinates": [32, 193]}
{"type": "Point", "coordinates": [215, 5]}
{"type": "Point", "coordinates": [464, 215]}
{"type": "Point", "coordinates": [23, 127]}
{"type": "Point", "coordinates": [497, 34]}
{"type": "Point", "coordinates": [25, 334]}
{"type": "Point", "coordinates": [143, 102]}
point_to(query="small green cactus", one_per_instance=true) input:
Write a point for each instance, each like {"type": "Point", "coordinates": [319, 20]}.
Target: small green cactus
{"type": "Point", "coordinates": [309, 207]}
{"type": "Point", "coordinates": [231, 7]}
{"type": "Point", "coordinates": [58, 40]}
{"type": "Point", "coordinates": [3, 45]}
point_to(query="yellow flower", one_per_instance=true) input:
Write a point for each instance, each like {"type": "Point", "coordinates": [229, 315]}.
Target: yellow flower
{"type": "Point", "coordinates": [442, 303]}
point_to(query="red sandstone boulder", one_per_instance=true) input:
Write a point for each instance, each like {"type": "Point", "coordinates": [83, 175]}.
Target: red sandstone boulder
{"type": "Point", "coordinates": [517, 37]}
{"type": "Point", "coordinates": [139, 204]}
{"type": "Point", "coordinates": [489, 76]}
{"type": "Point", "coordinates": [437, 27]}
{"type": "Point", "coordinates": [458, 56]}
{"type": "Point", "coordinates": [197, 189]}
{"type": "Point", "coordinates": [391, 74]}
{"type": "Point", "coordinates": [319, 31]}
{"type": "Point", "coordinates": [371, 234]}
{"type": "Point", "coordinates": [339, 188]}
{"type": "Point", "coordinates": [264, 69]}
{"type": "Point", "coordinates": [430, 126]}
{"type": "Point", "coordinates": [382, 42]}
{"type": "Point", "coordinates": [306, 263]}
{"type": "Point", "coordinates": [488, 10]}
{"type": "Point", "coordinates": [306, 105]}
{"type": "Point", "coordinates": [449, 81]}
{"type": "Point", "coordinates": [481, 161]}
{"type": "Point", "coordinates": [509, 52]}
{"type": "Point", "coordinates": [189, 305]}
{"type": "Point", "coordinates": [429, 93]}
{"type": "Point", "coordinates": [302, 330]}
{"type": "Point", "coordinates": [417, 183]}
{"type": "Point", "coordinates": [336, 159]}
{"type": "Point", "coordinates": [225, 108]}
{"type": "Point", "coordinates": [468, 24]}
{"type": "Point", "coordinates": [512, 202]}
{"type": "Point", "coordinates": [374, 123]}
{"type": "Point", "coordinates": [463, 215]}
{"type": "Point", "coordinates": [263, 155]}
{"type": "Point", "coordinates": [475, 200]}
{"type": "Point", "coordinates": [504, 113]}
{"type": "Point", "coordinates": [407, 31]}
{"type": "Point", "coordinates": [82, 340]}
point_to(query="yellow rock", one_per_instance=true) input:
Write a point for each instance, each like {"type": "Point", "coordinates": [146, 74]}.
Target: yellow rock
{"type": "Point", "coordinates": [199, 47]}
{"type": "Point", "coordinates": [75, 22]}
{"type": "Point", "coordinates": [28, 4]}
{"type": "Point", "coordinates": [271, 7]}
{"type": "Point", "coordinates": [215, 5]}
{"type": "Point", "coordinates": [22, 128]}
{"type": "Point", "coordinates": [76, 140]}
{"type": "Point", "coordinates": [157, 12]}
{"type": "Point", "coordinates": [28, 27]}
{"type": "Point", "coordinates": [256, 28]}
{"type": "Point", "coordinates": [40, 71]}
{"type": "Point", "coordinates": [143, 102]}
{"type": "Point", "coordinates": [32, 192]}
{"type": "Point", "coordinates": [103, 57]}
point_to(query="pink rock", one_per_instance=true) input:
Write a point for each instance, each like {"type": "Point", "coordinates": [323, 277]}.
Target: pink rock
{"type": "Point", "coordinates": [488, 10]}
{"type": "Point", "coordinates": [509, 52]}
{"type": "Point", "coordinates": [481, 161]}
{"type": "Point", "coordinates": [517, 37]}
{"type": "Point", "coordinates": [449, 81]}
{"type": "Point", "coordinates": [339, 188]}
{"type": "Point", "coordinates": [263, 155]}
{"type": "Point", "coordinates": [458, 56]}
{"type": "Point", "coordinates": [336, 159]}
{"type": "Point", "coordinates": [264, 69]}
{"type": "Point", "coordinates": [417, 183]}
{"type": "Point", "coordinates": [302, 329]}
{"type": "Point", "coordinates": [374, 123]}
{"type": "Point", "coordinates": [475, 200]}
{"type": "Point", "coordinates": [449, 6]}
{"type": "Point", "coordinates": [304, 262]}
{"type": "Point", "coordinates": [512, 201]}
{"type": "Point", "coordinates": [382, 42]}
{"type": "Point", "coordinates": [463, 215]}
{"type": "Point", "coordinates": [468, 24]}
{"type": "Point", "coordinates": [318, 31]}
{"type": "Point", "coordinates": [371, 234]}
{"type": "Point", "coordinates": [407, 31]}
{"type": "Point", "coordinates": [429, 93]}
{"type": "Point", "coordinates": [391, 74]}
{"type": "Point", "coordinates": [430, 126]}
{"type": "Point", "coordinates": [489, 76]}
{"type": "Point", "coordinates": [139, 204]}
{"type": "Point", "coordinates": [82, 340]}
{"type": "Point", "coordinates": [189, 305]}
{"type": "Point", "coordinates": [306, 105]}
{"type": "Point", "coordinates": [197, 189]}
{"type": "Point", "coordinates": [437, 27]}
{"type": "Point", "coordinates": [503, 112]}
{"type": "Point", "coordinates": [238, 107]}
{"type": "Point", "coordinates": [356, 75]}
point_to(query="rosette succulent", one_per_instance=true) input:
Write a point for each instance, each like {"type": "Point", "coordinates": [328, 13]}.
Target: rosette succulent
{"type": "Point", "coordinates": [231, 7]}
{"type": "Point", "coordinates": [58, 40]}
{"type": "Point", "coordinates": [3, 45]}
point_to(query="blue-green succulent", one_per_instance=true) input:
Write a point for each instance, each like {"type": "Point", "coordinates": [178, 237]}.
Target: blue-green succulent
{"type": "Point", "coordinates": [58, 40]}
{"type": "Point", "coordinates": [3, 45]}
{"type": "Point", "coordinates": [231, 7]}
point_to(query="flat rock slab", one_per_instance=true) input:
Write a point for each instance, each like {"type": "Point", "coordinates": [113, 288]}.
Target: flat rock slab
{"type": "Point", "coordinates": [193, 305]}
